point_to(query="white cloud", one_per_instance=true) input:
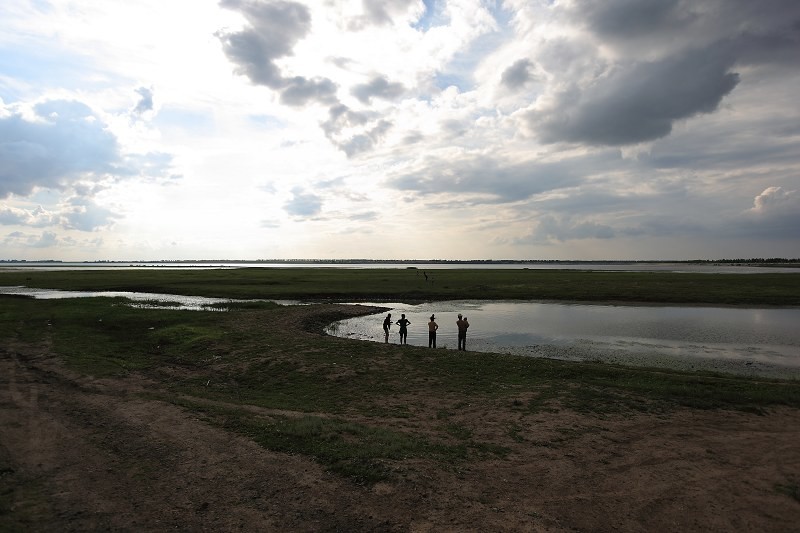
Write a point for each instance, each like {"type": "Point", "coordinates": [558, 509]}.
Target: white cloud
{"type": "Point", "coordinates": [776, 200]}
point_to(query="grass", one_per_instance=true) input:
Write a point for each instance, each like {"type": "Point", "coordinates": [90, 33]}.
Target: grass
{"type": "Point", "coordinates": [357, 405]}
{"type": "Point", "coordinates": [410, 285]}
{"type": "Point", "coordinates": [790, 489]}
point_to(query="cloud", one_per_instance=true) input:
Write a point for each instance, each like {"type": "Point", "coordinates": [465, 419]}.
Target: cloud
{"type": "Point", "coordinates": [551, 228]}
{"type": "Point", "coordinates": [78, 213]}
{"type": "Point", "coordinates": [270, 224]}
{"type": "Point", "coordinates": [645, 65]}
{"type": "Point", "coordinates": [366, 216]}
{"type": "Point", "coordinates": [303, 204]}
{"type": "Point", "coordinates": [764, 31]}
{"type": "Point", "coordinates": [775, 215]}
{"type": "Point", "coordinates": [58, 144]}
{"type": "Point", "coordinates": [18, 239]}
{"type": "Point", "coordinates": [274, 28]}
{"type": "Point", "coordinates": [494, 179]}
{"type": "Point", "coordinates": [615, 19]}
{"type": "Point", "coordinates": [63, 141]}
{"type": "Point", "coordinates": [299, 91]}
{"type": "Point", "coordinates": [517, 75]}
{"type": "Point", "coordinates": [145, 103]}
{"type": "Point", "coordinates": [38, 217]}
{"type": "Point", "coordinates": [776, 200]}
{"type": "Point", "coordinates": [378, 87]}
{"type": "Point", "coordinates": [354, 132]}
{"type": "Point", "coordinates": [384, 12]}
{"type": "Point", "coordinates": [640, 103]}
{"type": "Point", "coordinates": [84, 214]}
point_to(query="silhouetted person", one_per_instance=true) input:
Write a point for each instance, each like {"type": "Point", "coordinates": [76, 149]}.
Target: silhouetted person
{"type": "Point", "coordinates": [462, 324]}
{"type": "Point", "coordinates": [432, 327]}
{"type": "Point", "coordinates": [403, 323]}
{"type": "Point", "coordinates": [387, 323]}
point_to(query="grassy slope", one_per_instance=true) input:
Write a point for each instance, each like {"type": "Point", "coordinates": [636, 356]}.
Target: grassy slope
{"type": "Point", "coordinates": [351, 392]}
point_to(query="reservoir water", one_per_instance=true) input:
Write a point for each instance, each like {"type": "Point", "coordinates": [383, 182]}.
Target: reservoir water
{"type": "Point", "coordinates": [749, 341]}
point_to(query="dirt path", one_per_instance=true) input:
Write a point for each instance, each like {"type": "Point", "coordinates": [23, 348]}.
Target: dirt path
{"type": "Point", "coordinates": [78, 454]}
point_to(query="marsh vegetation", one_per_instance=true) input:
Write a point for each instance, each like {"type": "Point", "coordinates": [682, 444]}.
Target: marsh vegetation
{"type": "Point", "coordinates": [388, 420]}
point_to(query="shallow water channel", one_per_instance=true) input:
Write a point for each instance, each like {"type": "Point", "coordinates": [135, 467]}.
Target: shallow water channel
{"type": "Point", "coordinates": [749, 341]}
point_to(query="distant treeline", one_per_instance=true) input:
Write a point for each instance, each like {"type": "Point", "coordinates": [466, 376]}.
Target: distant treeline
{"type": "Point", "coordinates": [770, 260]}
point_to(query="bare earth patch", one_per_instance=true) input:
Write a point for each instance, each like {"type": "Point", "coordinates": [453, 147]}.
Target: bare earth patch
{"type": "Point", "coordinates": [79, 454]}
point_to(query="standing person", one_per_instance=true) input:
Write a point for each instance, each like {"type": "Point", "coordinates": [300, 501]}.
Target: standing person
{"type": "Point", "coordinates": [387, 323]}
{"type": "Point", "coordinates": [403, 323]}
{"type": "Point", "coordinates": [462, 325]}
{"type": "Point", "coordinates": [432, 327]}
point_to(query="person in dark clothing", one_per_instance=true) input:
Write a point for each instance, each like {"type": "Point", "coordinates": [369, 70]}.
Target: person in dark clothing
{"type": "Point", "coordinates": [432, 327]}
{"type": "Point", "coordinates": [403, 323]}
{"type": "Point", "coordinates": [387, 323]}
{"type": "Point", "coordinates": [462, 324]}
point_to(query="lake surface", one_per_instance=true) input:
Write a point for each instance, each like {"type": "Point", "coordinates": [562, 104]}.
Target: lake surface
{"type": "Point", "coordinates": [749, 341]}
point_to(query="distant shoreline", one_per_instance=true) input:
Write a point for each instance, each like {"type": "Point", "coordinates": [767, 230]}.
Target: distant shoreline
{"type": "Point", "coordinates": [713, 262]}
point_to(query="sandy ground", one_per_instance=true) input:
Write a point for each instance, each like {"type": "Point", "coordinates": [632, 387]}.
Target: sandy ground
{"type": "Point", "coordinates": [80, 454]}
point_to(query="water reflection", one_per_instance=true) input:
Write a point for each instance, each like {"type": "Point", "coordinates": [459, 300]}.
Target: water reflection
{"type": "Point", "coordinates": [142, 300]}
{"type": "Point", "coordinates": [740, 340]}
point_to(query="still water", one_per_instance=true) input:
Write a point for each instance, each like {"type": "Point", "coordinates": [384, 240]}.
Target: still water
{"type": "Point", "coordinates": [750, 341]}
{"type": "Point", "coordinates": [143, 300]}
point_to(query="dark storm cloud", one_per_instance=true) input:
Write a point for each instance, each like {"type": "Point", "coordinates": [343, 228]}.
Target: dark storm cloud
{"type": "Point", "coordinates": [274, 29]}
{"type": "Point", "coordinates": [695, 49]}
{"type": "Point", "coordinates": [517, 75]}
{"type": "Point", "coordinates": [640, 103]}
{"type": "Point", "coordinates": [690, 21]}
{"type": "Point", "coordinates": [378, 87]}
{"type": "Point", "coordinates": [633, 18]}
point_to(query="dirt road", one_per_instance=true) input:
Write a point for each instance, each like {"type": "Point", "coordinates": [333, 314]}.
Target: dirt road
{"type": "Point", "coordinates": [82, 454]}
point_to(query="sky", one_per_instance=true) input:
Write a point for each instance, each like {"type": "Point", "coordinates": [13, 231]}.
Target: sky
{"type": "Point", "coordinates": [399, 129]}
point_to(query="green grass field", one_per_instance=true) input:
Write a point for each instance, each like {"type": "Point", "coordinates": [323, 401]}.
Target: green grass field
{"type": "Point", "coordinates": [348, 394]}
{"type": "Point", "coordinates": [445, 284]}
